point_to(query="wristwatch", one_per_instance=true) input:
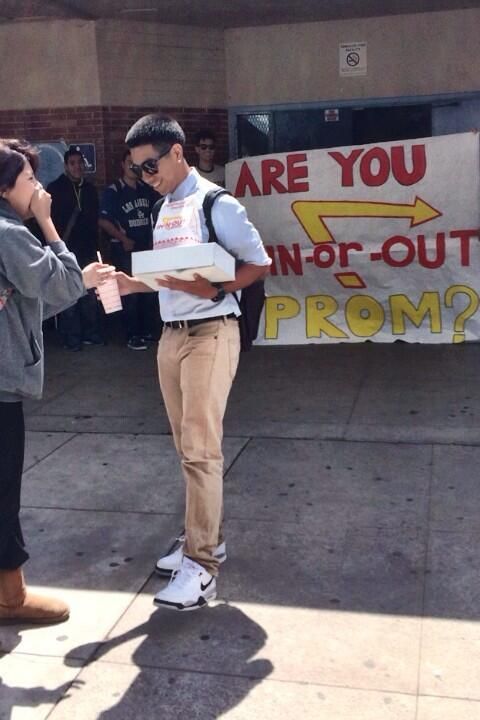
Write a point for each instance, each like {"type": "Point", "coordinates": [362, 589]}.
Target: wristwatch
{"type": "Point", "coordinates": [220, 294]}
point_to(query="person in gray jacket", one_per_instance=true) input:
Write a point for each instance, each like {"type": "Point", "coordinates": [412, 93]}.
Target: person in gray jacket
{"type": "Point", "coordinates": [35, 283]}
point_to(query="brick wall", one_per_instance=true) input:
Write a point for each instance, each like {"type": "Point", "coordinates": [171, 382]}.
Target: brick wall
{"type": "Point", "coordinates": [117, 120]}
{"type": "Point", "coordinates": [106, 128]}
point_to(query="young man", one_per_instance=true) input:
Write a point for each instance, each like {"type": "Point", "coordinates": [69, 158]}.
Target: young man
{"type": "Point", "coordinates": [125, 211]}
{"type": "Point", "coordinates": [75, 215]}
{"type": "Point", "coordinates": [199, 348]}
{"type": "Point", "coordinates": [205, 143]}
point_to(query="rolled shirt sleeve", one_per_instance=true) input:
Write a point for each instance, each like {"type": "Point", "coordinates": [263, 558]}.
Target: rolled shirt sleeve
{"type": "Point", "coordinates": [236, 233]}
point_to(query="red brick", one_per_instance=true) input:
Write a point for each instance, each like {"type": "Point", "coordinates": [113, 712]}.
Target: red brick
{"type": "Point", "coordinates": [106, 127]}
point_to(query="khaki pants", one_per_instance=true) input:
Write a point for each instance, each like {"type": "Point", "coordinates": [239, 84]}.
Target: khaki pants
{"type": "Point", "coordinates": [196, 368]}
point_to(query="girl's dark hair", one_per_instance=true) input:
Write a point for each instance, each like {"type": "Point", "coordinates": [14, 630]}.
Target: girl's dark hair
{"type": "Point", "coordinates": [13, 155]}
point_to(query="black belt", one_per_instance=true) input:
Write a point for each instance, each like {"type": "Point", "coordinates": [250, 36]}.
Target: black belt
{"type": "Point", "coordinates": [179, 324]}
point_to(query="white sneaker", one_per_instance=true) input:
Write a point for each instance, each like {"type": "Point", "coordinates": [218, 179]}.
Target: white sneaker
{"type": "Point", "coordinates": [171, 562]}
{"type": "Point", "coordinates": [190, 588]}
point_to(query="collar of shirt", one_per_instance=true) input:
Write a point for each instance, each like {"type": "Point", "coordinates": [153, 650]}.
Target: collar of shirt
{"type": "Point", "coordinates": [187, 187]}
{"type": "Point", "coordinates": [75, 183]}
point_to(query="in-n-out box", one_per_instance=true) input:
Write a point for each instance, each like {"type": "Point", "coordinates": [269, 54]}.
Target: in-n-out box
{"type": "Point", "coordinates": [207, 259]}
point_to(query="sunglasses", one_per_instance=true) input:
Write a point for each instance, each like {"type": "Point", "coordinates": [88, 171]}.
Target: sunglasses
{"type": "Point", "coordinates": [202, 146]}
{"type": "Point", "coordinates": [148, 166]}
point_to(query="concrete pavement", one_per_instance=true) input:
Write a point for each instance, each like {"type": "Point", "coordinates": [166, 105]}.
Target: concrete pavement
{"type": "Point", "coordinates": [352, 500]}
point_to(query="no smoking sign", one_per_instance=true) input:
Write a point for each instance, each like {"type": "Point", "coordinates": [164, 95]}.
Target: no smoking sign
{"type": "Point", "coordinates": [353, 58]}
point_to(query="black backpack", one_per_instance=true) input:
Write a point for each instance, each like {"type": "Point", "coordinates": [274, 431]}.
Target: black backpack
{"type": "Point", "coordinates": [253, 297]}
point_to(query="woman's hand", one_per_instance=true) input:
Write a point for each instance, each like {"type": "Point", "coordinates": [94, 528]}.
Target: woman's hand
{"type": "Point", "coordinates": [40, 205]}
{"type": "Point", "coordinates": [97, 273]}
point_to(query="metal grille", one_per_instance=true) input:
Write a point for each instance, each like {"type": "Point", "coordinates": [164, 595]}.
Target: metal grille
{"type": "Point", "coordinates": [254, 134]}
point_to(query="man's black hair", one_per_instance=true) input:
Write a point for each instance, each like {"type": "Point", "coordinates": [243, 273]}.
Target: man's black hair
{"type": "Point", "coordinates": [205, 134]}
{"type": "Point", "coordinates": [155, 129]}
{"type": "Point", "coordinates": [71, 152]}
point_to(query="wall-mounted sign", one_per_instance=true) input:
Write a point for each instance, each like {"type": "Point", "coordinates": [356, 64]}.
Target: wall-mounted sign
{"type": "Point", "coordinates": [88, 152]}
{"type": "Point", "coordinates": [353, 58]}
{"type": "Point", "coordinates": [331, 115]}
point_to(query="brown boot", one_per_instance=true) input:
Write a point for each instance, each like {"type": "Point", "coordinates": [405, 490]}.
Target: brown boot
{"type": "Point", "coordinates": [18, 605]}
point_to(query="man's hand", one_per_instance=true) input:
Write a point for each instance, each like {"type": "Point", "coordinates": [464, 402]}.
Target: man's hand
{"type": "Point", "coordinates": [128, 244]}
{"type": "Point", "coordinates": [96, 273]}
{"type": "Point", "coordinates": [128, 285]}
{"type": "Point", "coordinates": [200, 286]}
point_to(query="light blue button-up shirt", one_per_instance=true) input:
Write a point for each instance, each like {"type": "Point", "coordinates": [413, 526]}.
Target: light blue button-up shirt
{"type": "Point", "coordinates": [235, 233]}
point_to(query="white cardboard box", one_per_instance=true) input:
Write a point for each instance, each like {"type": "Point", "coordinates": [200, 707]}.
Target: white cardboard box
{"type": "Point", "coordinates": [207, 259]}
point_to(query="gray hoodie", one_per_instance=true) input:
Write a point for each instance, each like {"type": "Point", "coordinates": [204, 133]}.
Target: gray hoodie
{"type": "Point", "coordinates": [35, 283]}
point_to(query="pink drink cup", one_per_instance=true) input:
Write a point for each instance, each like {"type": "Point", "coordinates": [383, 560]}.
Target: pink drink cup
{"type": "Point", "coordinates": [110, 296]}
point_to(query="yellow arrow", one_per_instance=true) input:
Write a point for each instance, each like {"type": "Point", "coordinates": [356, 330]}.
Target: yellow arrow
{"type": "Point", "coordinates": [310, 214]}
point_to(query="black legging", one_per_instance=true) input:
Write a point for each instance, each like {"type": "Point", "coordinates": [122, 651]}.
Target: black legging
{"type": "Point", "coordinates": [12, 448]}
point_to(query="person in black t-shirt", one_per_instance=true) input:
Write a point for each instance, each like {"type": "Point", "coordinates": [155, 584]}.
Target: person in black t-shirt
{"type": "Point", "coordinates": [125, 210]}
{"type": "Point", "coordinates": [75, 214]}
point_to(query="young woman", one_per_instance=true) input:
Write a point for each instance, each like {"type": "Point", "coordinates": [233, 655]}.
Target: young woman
{"type": "Point", "coordinates": [35, 283]}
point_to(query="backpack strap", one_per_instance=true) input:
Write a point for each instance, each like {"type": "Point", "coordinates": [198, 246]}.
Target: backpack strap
{"type": "Point", "coordinates": [156, 211]}
{"type": "Point", "coordinates": [207, 205]}
{"type": "Point", "coordinates": [117, 185]}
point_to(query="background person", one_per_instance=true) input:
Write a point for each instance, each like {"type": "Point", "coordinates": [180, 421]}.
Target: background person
{"type": "Point", "coordinates": [35, 282]}
{"type": "Point", "coordinates": [75, 215]}
{"type": "Point", "coordinates": [125, 210]}
{"type": "Point", "coordinates": [205, 146]}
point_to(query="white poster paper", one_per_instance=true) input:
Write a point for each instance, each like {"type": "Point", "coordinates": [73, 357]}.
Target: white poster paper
{"type": "Point", "coordinates": [377, 242]}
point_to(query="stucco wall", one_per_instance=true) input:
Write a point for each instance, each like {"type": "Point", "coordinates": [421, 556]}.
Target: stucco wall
{"type": "Point", "coordinates": [151, 64]}
{"type": "Point", "coordinates": [75, 63]}
{"type": "Point", "coordinates": [55, 64]}
{"type": "Point", "coordinates": [48, 65]}
{"type": "Point", "coordinates": [420, 54]}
